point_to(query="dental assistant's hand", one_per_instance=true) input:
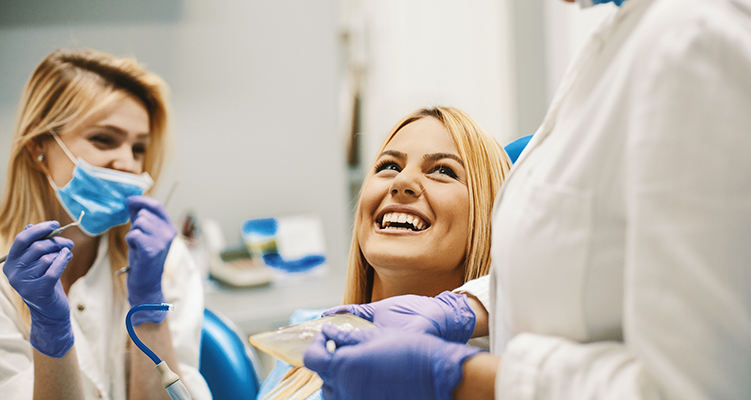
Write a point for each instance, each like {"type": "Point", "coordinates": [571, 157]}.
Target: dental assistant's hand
{"type": "Point", "coordinates": [447, 315]}
{"type": "Point", "coordinates": [33, 268]}
{"type": "Point", "coordinates": [386, 364]}
{"type": "Point", "coordinates": [149, 241]}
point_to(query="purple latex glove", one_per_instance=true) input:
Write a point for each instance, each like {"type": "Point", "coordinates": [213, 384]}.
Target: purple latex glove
{"type": "Point", "coordinates": [447, 315]}
{"type": "Point", "coordinates": [149, 240]}
{"type": "Point", "coordinates": [386, 364]}
{"type": "Point", "coordinates": [33, 269]}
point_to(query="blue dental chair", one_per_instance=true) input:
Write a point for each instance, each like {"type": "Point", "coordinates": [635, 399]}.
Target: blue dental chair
{"type": "Point", "coordinates": [228, 364]}
{"type": "Point", "coordinates": [515, 148]}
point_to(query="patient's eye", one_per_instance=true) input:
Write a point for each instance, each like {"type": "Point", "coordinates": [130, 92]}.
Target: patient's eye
{"type": "Point", "coordinates": [387, 166]}
{"type": "Point", "coordinates": [443, 170]}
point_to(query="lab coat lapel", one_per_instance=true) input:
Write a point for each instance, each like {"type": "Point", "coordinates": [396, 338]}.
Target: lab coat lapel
{"type": "Point", "coordinates": [85, 297]}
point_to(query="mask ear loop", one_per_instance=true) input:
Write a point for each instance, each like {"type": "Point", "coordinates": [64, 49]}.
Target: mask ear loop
{"type": "Point", "coordinates": [66, 151]}
{"type": "Point", "coordinates": [64, 147]}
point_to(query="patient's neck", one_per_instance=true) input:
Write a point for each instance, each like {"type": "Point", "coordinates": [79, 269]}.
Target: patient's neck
{"type": "Point", "coordinates": [389, 283]}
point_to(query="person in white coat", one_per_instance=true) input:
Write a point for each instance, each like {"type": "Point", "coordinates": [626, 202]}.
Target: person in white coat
{"type": "Point", "coordinates": [92, 131]}
{"type": "Point", "coordinates": [621, 240]}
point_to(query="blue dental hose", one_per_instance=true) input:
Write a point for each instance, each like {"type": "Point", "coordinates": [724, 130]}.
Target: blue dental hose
{"type": "Point", "coordinates": [170, 380]}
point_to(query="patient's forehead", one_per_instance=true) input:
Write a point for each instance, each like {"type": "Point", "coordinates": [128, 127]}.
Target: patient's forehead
{"type": "Point", "coordinates": [426, 135]}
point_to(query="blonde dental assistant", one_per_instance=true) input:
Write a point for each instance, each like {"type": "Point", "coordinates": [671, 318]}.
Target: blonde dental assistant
{"type": "Point", "coordinates": [92, 131]}
{"type": "Point", "coordinates": [621, 269]}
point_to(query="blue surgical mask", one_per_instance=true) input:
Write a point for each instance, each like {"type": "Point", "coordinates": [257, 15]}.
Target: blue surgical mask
{"type": "Point", "coordinates": [590, 3]}
{"type": "Point", "coordinates": [100, 192]}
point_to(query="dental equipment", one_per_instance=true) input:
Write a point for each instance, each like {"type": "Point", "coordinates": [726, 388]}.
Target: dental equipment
{"type": "Point", "coordinates": [170, 380]}
{"type": "Point", "coordinates": [55, 232]}
{"type": "Point", "coordinates": [290, 342]}
{"type": "Point", "coordinates": [171, 191]}
{"type": "Point", "coordinates": [331, 346]}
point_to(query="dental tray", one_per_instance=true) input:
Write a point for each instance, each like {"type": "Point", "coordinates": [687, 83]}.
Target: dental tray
{"type": "Point", "coordinates": [289, 343]}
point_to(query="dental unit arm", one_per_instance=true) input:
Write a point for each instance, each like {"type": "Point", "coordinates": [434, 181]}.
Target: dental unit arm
{"type": "Point", "coordinates": [170, 380]}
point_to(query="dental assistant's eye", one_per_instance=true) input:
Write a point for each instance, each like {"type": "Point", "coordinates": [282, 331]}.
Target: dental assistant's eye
{"type": "Point", "coordinates": [102, 141]}
{"type": "Point", "coordinates": [387, 165]}
{"type": "Point", "coordinates": [444, 170]}
{"type": "Point", "coordinates": [139, 149]}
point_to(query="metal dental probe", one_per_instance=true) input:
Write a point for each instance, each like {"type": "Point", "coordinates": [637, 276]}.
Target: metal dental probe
{"type": "Point", "coordinates": [55, 232]}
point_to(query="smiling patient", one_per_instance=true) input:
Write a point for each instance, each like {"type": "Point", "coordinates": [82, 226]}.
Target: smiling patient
{"type": "Point", "coordinates": [422, 224]}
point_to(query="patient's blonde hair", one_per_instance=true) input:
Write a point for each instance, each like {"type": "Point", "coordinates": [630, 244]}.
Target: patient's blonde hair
{"type": "Point", "coordinates": [487, 165]}
{"type": "Point", "coordinates": [65, 89]}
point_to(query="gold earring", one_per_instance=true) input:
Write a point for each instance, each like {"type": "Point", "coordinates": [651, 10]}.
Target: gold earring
{"type": "Point", "coordinates": [40, 157]}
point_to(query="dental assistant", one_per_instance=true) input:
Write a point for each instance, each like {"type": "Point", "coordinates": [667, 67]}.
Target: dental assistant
{"type": "Point", "coordinates": [91, 134]}
{"type": "Point", "coordinates": [621, 238]}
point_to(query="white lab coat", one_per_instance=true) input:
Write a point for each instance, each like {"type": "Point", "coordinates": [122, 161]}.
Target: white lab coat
{"type": "Point", "coordinates": [622, 238]}
{"type": "Point", "coordinates": [99, 329]}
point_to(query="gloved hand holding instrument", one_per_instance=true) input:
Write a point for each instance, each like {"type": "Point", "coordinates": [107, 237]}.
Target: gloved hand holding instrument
{"type": "Point", "coordinates": [429, 367]}
{"type": "Point", "coordinates": [149, 241]}
{"type": "Point", "coordinates": [33, 266]}
{"type": "Point", "coordinates": [55, 232]}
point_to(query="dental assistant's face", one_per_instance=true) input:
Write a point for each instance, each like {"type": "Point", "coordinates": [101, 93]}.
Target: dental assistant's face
{"type": "Point", "coordinates": [414, 211]}
{"type": "Point", "coordinates": [115, 137]}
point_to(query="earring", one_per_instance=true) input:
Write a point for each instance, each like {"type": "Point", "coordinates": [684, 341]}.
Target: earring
{"type": "Point", "coordinates": [40, 157]}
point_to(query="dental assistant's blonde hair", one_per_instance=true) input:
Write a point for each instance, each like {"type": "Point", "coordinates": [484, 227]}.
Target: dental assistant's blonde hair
{"type": "Point", "coordinates": [65, 89]}
{"type": "Point", "coordinates": [486, 164]}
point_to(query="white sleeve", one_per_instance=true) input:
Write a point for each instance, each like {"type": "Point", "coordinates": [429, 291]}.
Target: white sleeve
{"type": "Point", "coordinates": [687, 280]}
{"type": "Point", "coordinates": [480, 288]}
{"type": "Point", "coordinates": [16, 358]}
{"type": "Point", "coordinates": [183, 288]}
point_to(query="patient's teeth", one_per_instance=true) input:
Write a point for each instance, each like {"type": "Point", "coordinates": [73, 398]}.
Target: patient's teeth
{"type": "Point", "coordinates": [391, 218]}
{"type": "Point", "coordinates": [386, 218]}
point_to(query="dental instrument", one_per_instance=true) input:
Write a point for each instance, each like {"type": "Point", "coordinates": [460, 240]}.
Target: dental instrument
{"type": "Point", "coordinates": [55, 232]}
{"type": "Point", "coordinates": [170, 380]}
{"type": "Point", "coordinates": [290, 342]}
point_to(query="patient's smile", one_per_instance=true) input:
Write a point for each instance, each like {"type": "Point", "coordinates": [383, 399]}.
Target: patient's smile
{"type": "Point", "coordinates": [414, 206]}
{"type": "Point", "coordinates": [402, 221]}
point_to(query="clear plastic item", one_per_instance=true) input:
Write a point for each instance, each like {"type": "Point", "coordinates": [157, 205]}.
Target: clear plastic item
{"type": "Point", "coordinates": [289, 343]}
